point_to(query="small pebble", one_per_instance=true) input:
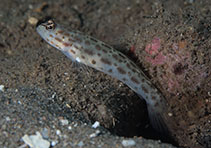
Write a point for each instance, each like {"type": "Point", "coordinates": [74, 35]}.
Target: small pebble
{"type": "Point", "coordinates": [4, 126]}
{"type": "Point", "coordinates": [92, 142]}
{"type": "Point", "coordinates": [97, 132]}
{"type": "Point", "coordinates": [75, 125]}
{"type": "Point", "coordinates": [7, 118]}
{"type": "Point", "coordinates": [30, 6]}
{"type": "Point", "coordinates": [64, 122]}
{"type": "Point", "coordinates": [80, 144]}
{"type": "Point", "coordinates": [36, 141]}
{"type": "Point", "coordinates": [53, 96]}
{"type": "Point", "coordinates": [32, 20]}
{"type": "Point", "coordinates": [44, 133]}
{"type": "Point", "coordinates": [69, 127]}
{"type": "Point", "coordinates": [1, 87]}
{"type": "Point", "coordinates": [129, 142]}
{"type": "Point", "coordinates": [58, 132]}
{"type": "Point", "coordinates": [96, 124]}
{"type": "Point", "coordinates": [53, 143]}
{"type": "Point", "coordinates": [65, 136]}
{"type": "Point", "coordinates": [170, 114]}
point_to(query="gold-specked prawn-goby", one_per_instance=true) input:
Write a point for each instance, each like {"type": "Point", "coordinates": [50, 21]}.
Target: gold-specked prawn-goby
{"type": "Point", "coordinates": [101, 56]}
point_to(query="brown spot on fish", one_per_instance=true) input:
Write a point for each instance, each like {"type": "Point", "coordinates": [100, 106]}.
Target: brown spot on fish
{"type": "Point", "coordinates": [83, 57]}
{"type": "Point", "coordinates": [63, 37]}
{"type": "Point", "coordinates": [110, 51]}
{"type": "Point", "coordinates": [110, 70]}
{"type": "Point", "coordinates": [67, 44]}
{"type": "Point", "coordinates": [121, 70]}
{"type": "Point", "coordinates": [144, 89]}
{"type": "Point", "coordinates": [51, 35]}
{"type": "Point", "coordinates": [153, 98]}
{"type": "Point", "coordinates": [52, 42]}
{"type": "Point", "coordinates": [71, 40]}
{"type": "Point", "coordinates": [105, 51]}
{"type": "Point", "coordinates": [66, 34]}
{"type": "Point", "coordinates": [93, 62]}
{"type": "Point", "coordinates": [124, 79]}
{"type": "Point", "coordinates": [76, 47]}
{"type": "Point", "coordinates": [57, 45]}
{"type": "Point", "coordinates": [60, 31]}
{"type": "Point", "coordinates": [120, 61]}
{"type": "Point", "coordinates": [105, 61]}
{"type": "Point", "coordinates": [115, 56]}
{"type": "Point", "coordinates": [97, 47]}
{"type": "Point", "coordinates": [77, 39]}
{"type": "Point", "coordinates": [156, 104]}
{"type": "Point", "coordinates": [87, 42]}
{"type": "Point", "coordinates": [128, 65]}
{"type": "Point", "coordinates": [89, 52]}
{"type": "Point", "coordinates": [72, 51]}
{"type": "Point", "coordinates": [134, 80]}
{"type": "Point", "coordinates": [58, 39]}
{"type": "Point", "coordinates": [101, 68]}
{"type": "Point", "coordinates": [47, 40]}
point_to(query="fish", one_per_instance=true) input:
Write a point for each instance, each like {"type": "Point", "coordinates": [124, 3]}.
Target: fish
{"type": "Point", "coordinates": [94, 53]}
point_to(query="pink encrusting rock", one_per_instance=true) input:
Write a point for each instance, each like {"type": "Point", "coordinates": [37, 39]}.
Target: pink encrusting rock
{"type": "Point", "coordinates": [177, 59]}
{"type": "Point", "coordinates": [154, 46]}
{"type": "Point", "coordinates": [155, 57]}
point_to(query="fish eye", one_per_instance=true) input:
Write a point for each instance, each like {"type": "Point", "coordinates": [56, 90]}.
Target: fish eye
{"type": "Point", "coordinates": [50, 25]}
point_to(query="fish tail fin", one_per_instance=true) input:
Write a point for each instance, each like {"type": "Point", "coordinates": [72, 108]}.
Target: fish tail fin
{"type": "Point", "coordinates": [157, 119]}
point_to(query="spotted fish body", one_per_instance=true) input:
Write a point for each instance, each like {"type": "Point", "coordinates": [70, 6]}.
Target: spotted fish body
{"type": "Point", "coordinates": [94, 53]}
